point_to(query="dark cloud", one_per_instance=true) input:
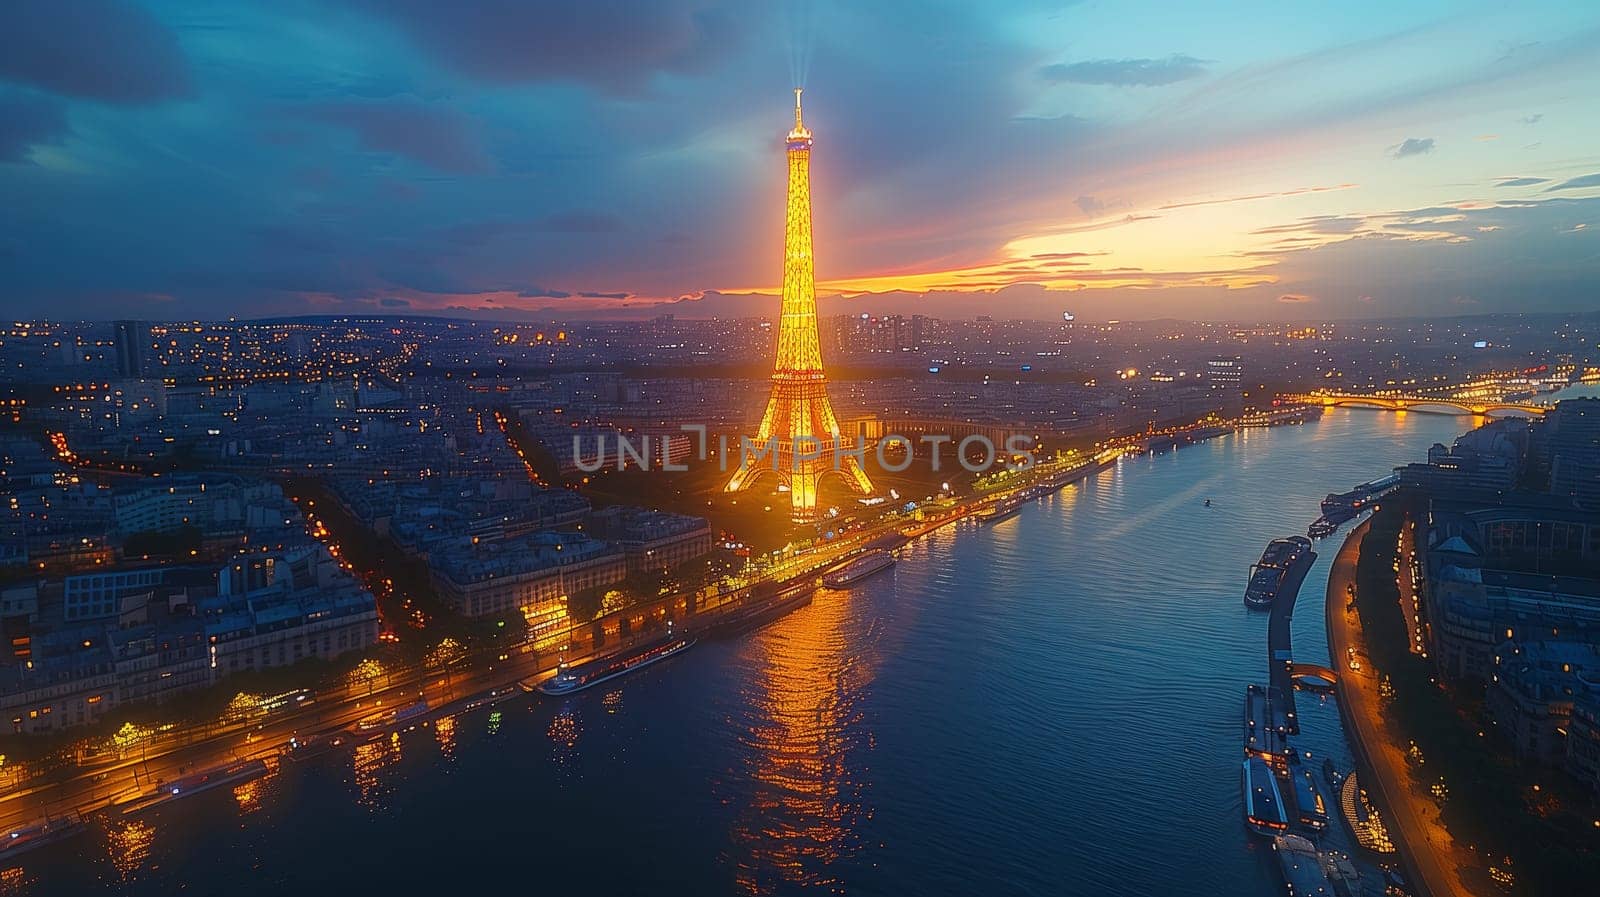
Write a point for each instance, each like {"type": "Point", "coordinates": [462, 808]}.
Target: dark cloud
{"type": "Point", "coordinates": [1521, 182]}
{"type": "Point", "coordinates": [27, 121]}
{"type": "Point", "coordinates": [632, 150]}
{"type": "Point", "coordinates": [94, 49]}
{"type": "Point", "coordinates": [1127, 72]}
{"type": "Point", "coordinates": [1577, 183]}
{"type": "Point", "coordinates": [1293, 298]}
{"type": "Point", "coordinates": [434, 135]}
{"type": "Point", "coordinates": [1413, 146]}
{"type": "Point", "coordinates": [1532, 119]}
{"type": "Point", "coordinates": [616, 45]}
{"type": "Point", "coordinates": [389, 302]}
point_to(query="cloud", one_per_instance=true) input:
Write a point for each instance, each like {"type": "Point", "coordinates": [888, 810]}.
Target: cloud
{"type": "Point", "coordinates": [1577, 183]}
{"type": "Point", "coordinates": [1294, 298]}
{"type": "Point", "coordinates": [618, 45]}
{"type": "Point", "coordinates": [543, 293]}
{"type": "Point", "coordinates": [1413, 146]}
{"type": "Point", "coordinates": [605, 295]}
{"type": "Point", "coordinates": [1126, 72]}
{"type": "Point", "coordinates": [390, 302]}
{"type": "Point", "coordinates": [434, 135]}
{"type": "Point", "coordinates": [26, 121]}
{"type": "Point", "coordinates": [1251, 197]}
{"type": "Point", "coordinates": [1532, 119]}
{"type": "Point", "coordinates": [1321, 224]}
{"type": "Point", "coordinates": [102, 50]}
{"type": "Point", "coordinates": [1521, 182]}
{"type": "Point", "coordinates": [1089, 205]}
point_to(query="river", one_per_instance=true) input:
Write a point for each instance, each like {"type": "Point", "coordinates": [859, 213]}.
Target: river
{"type": "Point", "coordinates": [1047, 705]}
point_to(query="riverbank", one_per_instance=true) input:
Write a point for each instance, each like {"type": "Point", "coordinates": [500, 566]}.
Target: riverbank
{"type": "Point", "coordinates": [141, 773]}
{"type": "Point", "coordinates": [1427, 851]}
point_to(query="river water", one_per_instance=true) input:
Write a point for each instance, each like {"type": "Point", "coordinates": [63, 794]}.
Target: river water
{"type": "Point", "coordinates": [1047, 705]}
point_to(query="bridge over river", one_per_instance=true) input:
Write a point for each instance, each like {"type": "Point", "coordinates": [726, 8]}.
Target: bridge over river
{"type": "Point", "coordinates": [1440, 404]}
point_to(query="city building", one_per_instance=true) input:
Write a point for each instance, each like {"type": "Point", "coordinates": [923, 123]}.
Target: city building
{"type": "Point", "coordinates": [532, 574]}
{"type": "Point", "coordinates": [1567, 444]}
{"type": "Point", "coordinates": [654, 540]}
{"type": "Point", "coordinates": [1473, 610]}
{"type": "Point", "coordinates": [1531, 692]}
{"type": "Point", "coordinates": [171, 631]}
{"type": "Point", "coordinates": [1486, 460]}
{"type": "Point", "coordinates": [1583, 732]}
{"type": "Point", "coordinates": [130, 340]}
{"type": "Point", "coordinates": [1225, 376]}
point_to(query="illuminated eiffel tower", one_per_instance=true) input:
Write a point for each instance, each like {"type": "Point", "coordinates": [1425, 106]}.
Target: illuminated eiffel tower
{"type": "Point", "coordinates": [799, 419]}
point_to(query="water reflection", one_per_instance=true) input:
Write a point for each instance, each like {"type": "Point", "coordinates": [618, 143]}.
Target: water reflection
{"type": "Point", "coordinates": [805, 742]}
{"type": "Point", "coordinates": [370, 761]}
{"type": "Point", "coordinates": [247, 795]}
{"type": "Point", "coordinates": [128, 846]}
{"type": "Point", "coordinates": [444, 734]}
{"type": "Point", "coordinates": [563, 732]}
{"type": "Point", "coordinates": [15, 881]}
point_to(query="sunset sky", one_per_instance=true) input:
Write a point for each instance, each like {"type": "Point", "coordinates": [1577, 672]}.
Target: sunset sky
{"type": "Point", "coordinates": [1128, 159]}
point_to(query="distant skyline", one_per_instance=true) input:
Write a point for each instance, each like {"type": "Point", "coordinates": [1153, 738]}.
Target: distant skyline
{"type": "Point", "coordinates": [169, 160]}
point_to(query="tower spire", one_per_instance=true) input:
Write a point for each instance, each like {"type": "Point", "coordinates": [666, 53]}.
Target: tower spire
{"type": "Point", "coordinates": [798, 124]}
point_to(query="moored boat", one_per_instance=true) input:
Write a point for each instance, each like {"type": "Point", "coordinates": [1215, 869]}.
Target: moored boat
{"type": "Point", "coordinates": [196, 783]}
{"type": "Point", "coordinates": [21, 840]}
{"type": "Point", "coordinates": [1263, 587]}
{"type": "Point", "coordinates": [379, 721]}
{"type": "Point", "coordinates": [1302, 867]}
{"type": "Point", "coordinates": [1267, 575]}
{"type": "Point", "coordinates": [1263, 803]}
{"type": "Point", "coordinates": [758, 611]}
{"type": "Point", "coordinates": [1004, 509]}
{"type": "Point", "coordinates": [1308, 798]}
{"type": "Point", "coordinates": [858, 569]}
{"type": "Point", "coordinates": [585, 675]}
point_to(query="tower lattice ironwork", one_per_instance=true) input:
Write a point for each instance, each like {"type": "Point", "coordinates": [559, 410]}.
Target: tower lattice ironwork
{"type": "Point", "coordinates": [799, 422]}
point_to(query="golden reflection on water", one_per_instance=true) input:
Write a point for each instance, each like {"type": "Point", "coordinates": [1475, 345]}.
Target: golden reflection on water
{"type": "Point", "coordinates": [128, 846]}
{"type": "Point", "coordinates": [16, 881]}
{"type": "Point", "coordinates": [564, 730]}
{"type": "Point", "coordinates": [444, 734]}
{"type": "Point", "coordinates": [806, 737]}
{"type": "Point", "coordinates": [248, 796]}
{"type": "Point", "coordinates": [371, 759]}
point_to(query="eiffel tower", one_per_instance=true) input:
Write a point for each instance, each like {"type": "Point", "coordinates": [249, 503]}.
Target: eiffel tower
{"type": "Point", "coordinates": [799, 419]}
